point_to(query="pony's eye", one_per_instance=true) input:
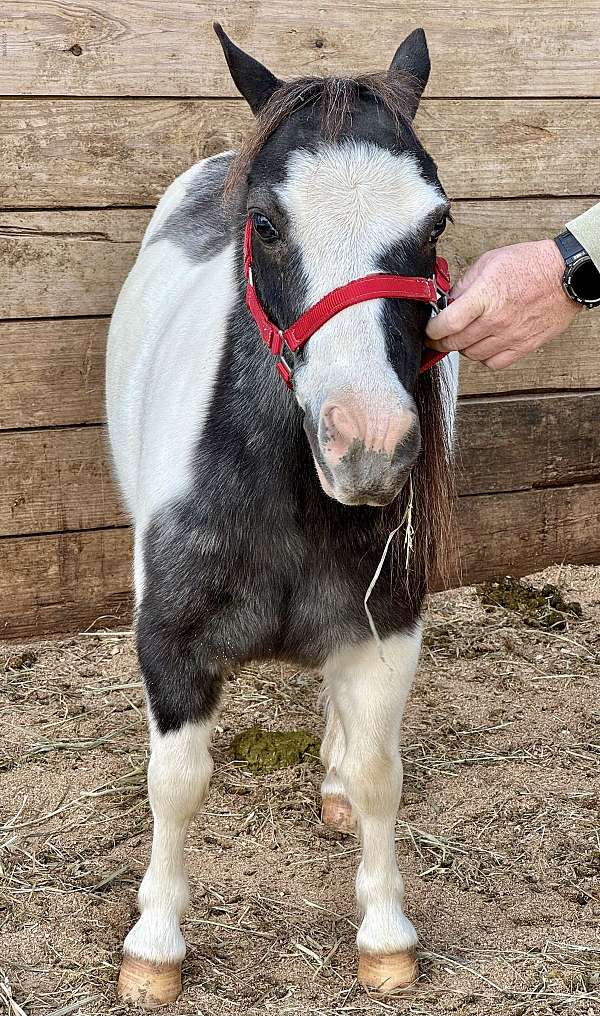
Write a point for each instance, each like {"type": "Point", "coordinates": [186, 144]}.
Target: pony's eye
{"type": "Point", "coordinates": [264, 227]}
{"type": "Point", "coordinates": [438, 229]}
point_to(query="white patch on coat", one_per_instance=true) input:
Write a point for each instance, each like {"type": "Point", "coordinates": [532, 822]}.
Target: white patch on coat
{"type": "Point", "coordinates": [348, 204]}
{"type": "Point", "coordinates": [164, 349]}
{"type": "Point", "coordinates": [179, 772]}
{"type": "Point", "coordinates": [369, 690]}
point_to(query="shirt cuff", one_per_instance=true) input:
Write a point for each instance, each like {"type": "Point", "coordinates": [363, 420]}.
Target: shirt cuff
{"type": "Point", "coordinates": [586, 229]}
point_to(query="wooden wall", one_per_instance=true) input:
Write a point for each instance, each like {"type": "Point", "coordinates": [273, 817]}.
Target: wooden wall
{"type": "Point", "coordinates": [104, 103]}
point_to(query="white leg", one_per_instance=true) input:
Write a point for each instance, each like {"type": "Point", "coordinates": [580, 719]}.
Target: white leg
{"type": "Point", "coordinates": [336, 810]}
{"type": "Point", "coordinates": [369, 693]}
{"type": "Point", "coordinates": [179, 772]}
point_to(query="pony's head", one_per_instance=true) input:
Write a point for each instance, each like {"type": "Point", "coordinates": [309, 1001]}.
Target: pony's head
{"type": "Point", "coordinates": [337, 186]}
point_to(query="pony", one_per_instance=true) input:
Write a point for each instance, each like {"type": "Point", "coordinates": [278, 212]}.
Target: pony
{"type": "Point", "coordinates": [299, 521]}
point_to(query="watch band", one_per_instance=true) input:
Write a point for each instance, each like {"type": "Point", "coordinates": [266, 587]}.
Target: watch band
{"type": "Point", "coordinates": [569, 246]}
{"type": "Point", "coordinates": [577, 258]}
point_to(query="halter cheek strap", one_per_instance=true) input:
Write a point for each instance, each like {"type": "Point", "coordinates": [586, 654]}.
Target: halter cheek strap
{"type": "Point", "coordinates": [433, 291]}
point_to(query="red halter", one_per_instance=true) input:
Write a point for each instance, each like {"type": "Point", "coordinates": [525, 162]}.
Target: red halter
{"type": "Point", "coordinates": [433, 291]}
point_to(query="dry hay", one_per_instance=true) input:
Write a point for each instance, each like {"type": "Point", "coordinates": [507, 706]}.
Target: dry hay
{"type": "Point", "coordinates": [498, 833]}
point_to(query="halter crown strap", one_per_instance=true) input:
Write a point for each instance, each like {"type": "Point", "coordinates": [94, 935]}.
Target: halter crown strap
{"type": "Point", "coordinates": [433, 291]}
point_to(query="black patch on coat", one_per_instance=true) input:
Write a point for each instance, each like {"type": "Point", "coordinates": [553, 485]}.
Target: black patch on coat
{"type": "Point", "coordinates": [200, 225]}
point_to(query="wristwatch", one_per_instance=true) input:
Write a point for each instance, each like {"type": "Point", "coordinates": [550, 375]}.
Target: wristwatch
{"type": "Point", "coordinates": [581, 279]}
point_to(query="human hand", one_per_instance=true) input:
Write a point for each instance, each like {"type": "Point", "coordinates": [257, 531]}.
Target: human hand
{"type": "Point", "coordinates": [509, 302]}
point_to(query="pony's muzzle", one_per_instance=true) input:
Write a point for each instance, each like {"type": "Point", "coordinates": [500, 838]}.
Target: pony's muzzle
{"type": "Point", "coordinates": [364, 452]}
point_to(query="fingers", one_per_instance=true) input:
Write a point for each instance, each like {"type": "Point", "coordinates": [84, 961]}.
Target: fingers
{"type": "Point", "coordinates": [498, 351]}
{"type": "Point", "coordinates": [486, 347]}
{"type": "Point", "coordinates": [472, 333]}
{"type": "Point", "coordinates": [445, 329]}
{"type": "Point", "coordinates": [460, 286]}
{"type": "Point", "coordinates": [505, 358]}
{"type": "Point", "coordinates": [504, 307]}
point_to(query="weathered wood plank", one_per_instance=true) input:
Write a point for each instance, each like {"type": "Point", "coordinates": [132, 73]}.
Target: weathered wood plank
{"type": "Point", "coordinates": [67, 582]}
{"type": "Point", "coordinates": [169, 48]}
{"type": "Point", "coordinates": [51, 372]}
{"type": "Point", "coordinates": [123, 152]}
{"type": "Point", "coordinates": [518, 442]}
{"type": "Point", "coordinates": [56, 480]}
{"type": "Point", "coordinates": [520, 533]}
{"type": "Point", "coordinates": [60, 264]}
{"type": "Point", "coordinates": [60, 479]}
{"type": "Point", "coordinates": [108, 152]}
{"type": "Point", "coordinates": [64, 583]}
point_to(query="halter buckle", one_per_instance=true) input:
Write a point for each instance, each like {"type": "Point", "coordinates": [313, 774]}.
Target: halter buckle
{"type": "Point", "coordinates": [441, 302]}
{"type": "Point", "coordinates": [441, 284]}
{"type": "Point", "coordinates": [284, 366]}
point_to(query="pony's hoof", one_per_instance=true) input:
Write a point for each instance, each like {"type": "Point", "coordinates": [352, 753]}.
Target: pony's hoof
{"type": "Point", "coordinates": [148, 984]}
{"type": "Point", "coordinates": [387, 972]}
{"type": "Point", "coordinates": [336, 812]}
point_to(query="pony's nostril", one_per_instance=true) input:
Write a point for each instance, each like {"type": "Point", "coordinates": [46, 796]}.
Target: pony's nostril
{"type": "Point", "coordinates": [340, 427]}
{"type": "Point", "coordinates": [340, 424]}
{"type": "Point", "coordinates": [398, 429]}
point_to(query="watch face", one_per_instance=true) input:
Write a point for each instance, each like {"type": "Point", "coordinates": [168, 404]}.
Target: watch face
{"type": "Point", "coordinates": [584, 281]}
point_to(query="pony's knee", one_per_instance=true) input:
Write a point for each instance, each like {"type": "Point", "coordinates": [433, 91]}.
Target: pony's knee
{"type": "Point", "coordinates": [373, 780]}
{"type": "Point", "coordinates": [179, 770]}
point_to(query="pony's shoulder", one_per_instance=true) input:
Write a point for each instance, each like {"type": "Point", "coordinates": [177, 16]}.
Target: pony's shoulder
{"type": "Point", "coordinates": [191, 213]}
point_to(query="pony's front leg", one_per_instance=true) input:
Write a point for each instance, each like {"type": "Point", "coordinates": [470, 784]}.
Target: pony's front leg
{"type": "Point", "coordinates": [179, 771]}
{"type": "Point", "coordinates": [369, 686]}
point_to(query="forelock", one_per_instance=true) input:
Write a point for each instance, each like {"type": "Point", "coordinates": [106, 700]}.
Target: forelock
{"type": "Point", "coordinates": [334, 100]}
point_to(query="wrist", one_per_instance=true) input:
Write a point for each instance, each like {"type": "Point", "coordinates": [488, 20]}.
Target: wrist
{"type": "Point", "coordinates": [553, 262]}
{"type": "Point", "coordinates": [552, 266]}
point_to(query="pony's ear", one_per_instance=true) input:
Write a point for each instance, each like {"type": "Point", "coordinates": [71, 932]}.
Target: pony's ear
{"type": "Point", "coordinates": [412, 57]}
{"type": "Point", "coordinates": [254, 81]}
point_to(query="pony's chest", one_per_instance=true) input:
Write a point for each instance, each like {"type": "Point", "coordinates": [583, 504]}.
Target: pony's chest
{"type": "Point", "coordinates": [325, 606]}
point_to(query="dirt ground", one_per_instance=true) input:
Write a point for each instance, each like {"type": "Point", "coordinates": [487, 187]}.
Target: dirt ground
{"type": "Point", "coordinates": [497, 835]}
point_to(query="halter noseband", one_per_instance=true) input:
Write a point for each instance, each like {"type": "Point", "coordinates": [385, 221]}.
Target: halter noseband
{"type": "Point", "coordinates": [433, 291]}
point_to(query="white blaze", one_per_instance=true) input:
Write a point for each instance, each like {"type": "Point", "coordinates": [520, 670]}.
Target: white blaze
{"type": "Point", "coordinates": [347, 205]}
